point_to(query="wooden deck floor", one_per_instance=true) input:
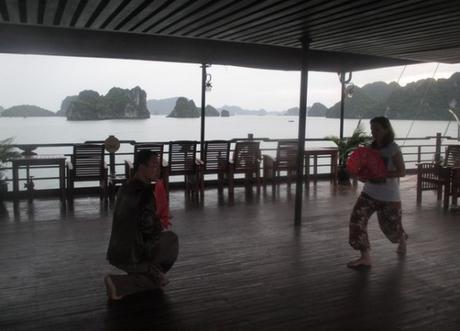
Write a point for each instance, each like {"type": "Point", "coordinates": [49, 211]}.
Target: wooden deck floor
{"type": "Point", "coordinates": [241, 267]}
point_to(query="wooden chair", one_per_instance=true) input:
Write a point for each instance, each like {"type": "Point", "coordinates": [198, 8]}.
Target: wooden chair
{"type": "Point", "coordinates": [87, 164]}
{"type": "Point", "coordinates": [286, 160]}
{"type": "Point", "coordinates": [215, 160]}
{"type": "Point", "coordinates": [246, 160]}
{"type": "Point", "coordinates": [154, 147]}
{"type": "Point", "coordinates": [438, 177]}
{"type": "Point", "coordinates": [455, 186]}
{"type": "Point", "coordinates": [116, 180]}
{"type": "Point", "coordinates": [182, 161]}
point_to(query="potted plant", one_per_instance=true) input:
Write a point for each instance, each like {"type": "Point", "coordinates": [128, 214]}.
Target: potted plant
{"type": "Point", "coordinates": [346, 146]}
{"type": "Point", "coordinates": [6, 152]}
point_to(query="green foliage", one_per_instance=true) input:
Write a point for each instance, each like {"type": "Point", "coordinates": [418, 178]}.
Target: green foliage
{"type": "Point", "coordinates": [349, 144]}
{"type": "Point", "coordinates": [426, 99]}
{"type": "Point", "coordinates": [6, 152]}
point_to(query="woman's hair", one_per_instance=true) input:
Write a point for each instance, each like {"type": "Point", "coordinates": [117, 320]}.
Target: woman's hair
{"type": "Point", "coordinates": [386, 125]}
{"type": "Point", "coordinates": [143, 157]}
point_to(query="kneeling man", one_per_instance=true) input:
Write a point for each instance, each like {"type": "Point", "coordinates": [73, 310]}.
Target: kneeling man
{"type": "Point", "coordinates": [138, 244]}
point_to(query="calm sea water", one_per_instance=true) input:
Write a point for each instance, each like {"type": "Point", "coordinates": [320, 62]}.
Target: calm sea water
{"type": "Point", "coordinates": [41, 130]}
{"type": "Point", "coordinates": [160, 128]}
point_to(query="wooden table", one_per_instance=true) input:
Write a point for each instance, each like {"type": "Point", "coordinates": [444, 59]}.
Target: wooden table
{"type": "Point", "coordinates": [38, 160]}
{"type": "Point", "coordinates": [317, 152]}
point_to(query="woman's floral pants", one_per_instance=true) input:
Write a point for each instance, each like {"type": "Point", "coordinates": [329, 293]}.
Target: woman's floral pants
{"type": "Point", "coordinates": [388, 214]}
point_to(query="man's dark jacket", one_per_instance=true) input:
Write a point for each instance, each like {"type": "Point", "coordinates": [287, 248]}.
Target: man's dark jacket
{"type": "Point", "coordinates": [135, 224]}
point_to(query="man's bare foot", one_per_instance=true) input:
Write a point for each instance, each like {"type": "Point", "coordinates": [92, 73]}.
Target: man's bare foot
{"type": "Point", "coordinates": [111, 290]}
{"type": "Point", "coordinates": [402, 246]}
{"type": "Point", "coordinates": [362, 262]}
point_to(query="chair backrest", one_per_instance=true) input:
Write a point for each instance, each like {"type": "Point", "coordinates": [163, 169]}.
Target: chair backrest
{"type": "Point", "coordinates": [182, 156]}
{"type": "Point", "coordinates": [88, 161]}
{"type": "Point", "coordinates": [452, 156]}
{"type": "Point", "coordinates": [215, 155]}
{"type": "Point", "coordinates": [246, 155]}
{"type": "Point", "coordinates": [286, 154]}
{"type": "Point", "coordinates": [154, 147]}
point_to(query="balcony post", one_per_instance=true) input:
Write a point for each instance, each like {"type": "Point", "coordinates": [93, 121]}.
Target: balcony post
{"type": "Point", "coordinates": [301, 133]}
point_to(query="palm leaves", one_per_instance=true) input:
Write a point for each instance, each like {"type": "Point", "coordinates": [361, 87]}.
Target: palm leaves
{"type": "Point", "coordinates": [348, 144]}
{"type": "Point", "coordinates": [6, 152]}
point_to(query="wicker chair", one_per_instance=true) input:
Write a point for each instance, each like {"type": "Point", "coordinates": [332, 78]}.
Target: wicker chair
{"type": "Point", "coordinates": [246, 160]}
{"type": "Point", "coordinates": [87, 164]}
{"type": "Point", "coordinates": [286, 160]}
{"type": "Point", "coordinates": [438, 177]}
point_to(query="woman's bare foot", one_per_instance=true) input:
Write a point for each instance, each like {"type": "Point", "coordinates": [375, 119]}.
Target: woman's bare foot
{"type": "Point", "coordinates": [111, 290]}
{"type": "Point", "coordinates": [363, 262]}
{"type": "Point", "coordinates": [360, 263]}
{"type": "Point", "coordinates": [402, 246]}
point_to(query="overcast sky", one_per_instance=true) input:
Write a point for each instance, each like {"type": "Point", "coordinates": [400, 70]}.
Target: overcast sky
{"type": "Point", "coordinates": [46, 80]}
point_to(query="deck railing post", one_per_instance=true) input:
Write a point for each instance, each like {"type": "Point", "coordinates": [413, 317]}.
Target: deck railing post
{"type": "Point", "coordinates": [419, 154]}
{"type": "Point", "coordinates": [203, 104]}
{"type": "Point", "coordinates": [301, 133]}
{"type": "Point", "coordinates": [437, 155]}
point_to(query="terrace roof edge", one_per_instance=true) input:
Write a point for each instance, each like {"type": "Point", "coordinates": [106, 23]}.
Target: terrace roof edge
{"type": "Point", "coordinates": [45, 40]}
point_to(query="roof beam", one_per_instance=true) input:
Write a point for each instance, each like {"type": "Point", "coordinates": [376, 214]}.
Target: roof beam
{"type": "Point", "coordinates": [89, 43]}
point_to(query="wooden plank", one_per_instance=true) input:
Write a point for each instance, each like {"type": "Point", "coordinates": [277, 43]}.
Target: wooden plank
{"type": "Point", "coordinates": [349, 25]}
{"type": "Point", "coordinates": [325, 24]}
{"type": "Point", "coordinates": [108, 13]}
{"type": "Point", "coordinates": [128, 12]}
{"type": "Point", "coordinates": [12, 9]}
{"type": "Point", "coordinates": [87, 10]}
{"type": "Point", "coordinates": [70, 10]}
{"type": "Point", "coordinates": [179, 15]}
{"type": "Point", "coordinates": [32, 9]}
{"type": "Point", "coordinates": [218, 16]}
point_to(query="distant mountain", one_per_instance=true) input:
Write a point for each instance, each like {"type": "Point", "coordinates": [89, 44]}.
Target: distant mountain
{"type": "Point", "coordinates": [26, 111]}
{"type": "Point", "coordinates": [211, 111]}
{"type": "Point", "coordinates": [185, 108]}
{"type": "Point", "coordinates": [236, 110]}
{"type": "Point", "coordinates": [317, 109]}
{"type": "Point", "coordinates": [65, 104]}
{"type": "Point", "coordinates": [1, 109]}
{"type": "Point", "coordinates": [224, 113]}
{"type": "Point", "coordinates": [426, 99]}
{"type": "Point", "coordinates": [161, 106]}
{"type": "Point", "coordinates": [118, 103]}
{"type": "Point", "coordinates": [294, 111]}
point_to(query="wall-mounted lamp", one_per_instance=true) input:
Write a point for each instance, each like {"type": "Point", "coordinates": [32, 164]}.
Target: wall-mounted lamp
{"type": "Point", "coordinates": [208, 85]}
{"type": "Point", "coordinates": [349, 90]}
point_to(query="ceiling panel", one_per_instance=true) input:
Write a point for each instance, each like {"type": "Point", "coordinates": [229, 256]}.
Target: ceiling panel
{"type": "Point", "coordinates": [406, 30]}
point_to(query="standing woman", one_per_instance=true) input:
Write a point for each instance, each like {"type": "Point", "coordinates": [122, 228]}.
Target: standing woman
{"type": "Point", "coordinates": [381, 196]}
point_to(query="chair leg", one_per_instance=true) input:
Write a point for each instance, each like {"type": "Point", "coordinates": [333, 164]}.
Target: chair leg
{"type": "Point", "coordinates": [446, 196]}
{"type": "Point", "coordinates": [419, 189]}
{"type": "Point", "coordinates": [231, 183]}
{"type": "Point", "coordinates": [258, 180]}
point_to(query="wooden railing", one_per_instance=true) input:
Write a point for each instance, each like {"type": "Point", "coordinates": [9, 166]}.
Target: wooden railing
{"type": "Point", "coordinates": [415, 150]}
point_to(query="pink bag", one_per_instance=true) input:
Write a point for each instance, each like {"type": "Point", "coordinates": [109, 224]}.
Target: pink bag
{"type": "Point", "coordinates": [366, 163]}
